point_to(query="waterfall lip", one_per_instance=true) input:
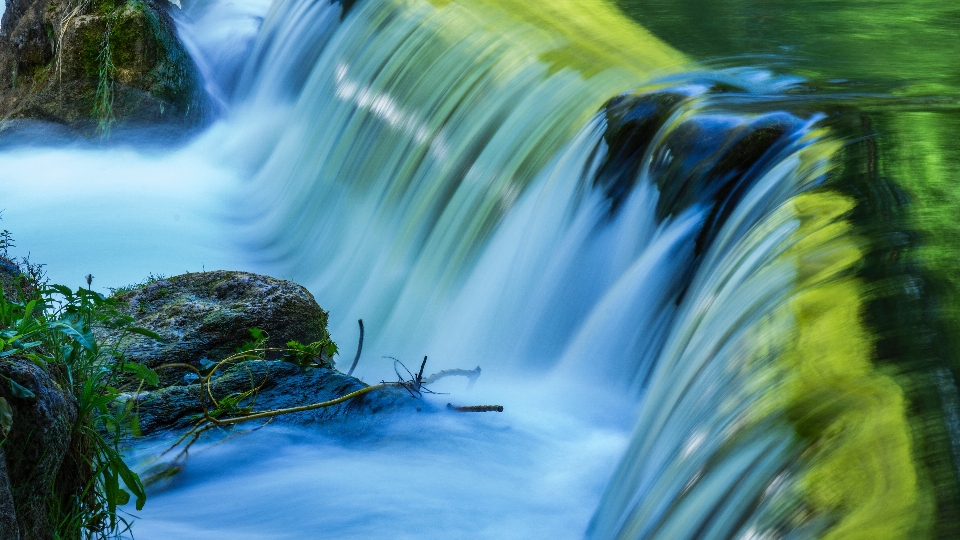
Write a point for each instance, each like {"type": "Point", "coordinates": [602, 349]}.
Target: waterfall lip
{"type": "Point", "coordinates": [644, 496]}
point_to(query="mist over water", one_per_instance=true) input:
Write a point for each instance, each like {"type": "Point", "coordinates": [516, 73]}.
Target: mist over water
{"type": "Point", "coordinates": [118, 214]}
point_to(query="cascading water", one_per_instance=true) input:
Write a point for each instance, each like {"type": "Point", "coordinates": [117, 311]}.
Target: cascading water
{"type": "Point", "coordinates": [661, 293]}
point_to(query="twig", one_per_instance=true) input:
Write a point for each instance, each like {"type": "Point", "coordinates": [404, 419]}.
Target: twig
{"type": "Point", "coordinates": [278, 412]}
{"type": "Point", "coordinates": [471, 374]}
{"type": "Point", "coordinates": [359, 348]}
{"type": "Point", "coordinates": [476, 408]}
{"type": "Point", "coordinates": [415, 386]}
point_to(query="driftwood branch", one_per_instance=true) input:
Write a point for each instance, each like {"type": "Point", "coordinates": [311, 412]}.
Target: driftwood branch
{"type": "Point", "coordinates": [476, 408]}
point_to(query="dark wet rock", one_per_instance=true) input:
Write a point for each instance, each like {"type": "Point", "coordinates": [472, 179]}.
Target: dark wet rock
{"type": "Point", "coordinates": [207, 315]}
{"type": "Point", "coordinates": [703, 157]}
{"type": "Point", "coordinates": [714, 160]}
{"type": "Point", "coordinates": [9, 529]}
{"type": "Point", "coordinates": [37, 445]}
{"type": "Point", "coordinates": [83, 64]}
{"type": "Point", "coordinates": [632, 123]}
{"type": "Point", "coordinates": [282, 385]}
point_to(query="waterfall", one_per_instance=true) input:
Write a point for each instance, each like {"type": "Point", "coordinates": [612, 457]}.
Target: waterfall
{"type": "Point", "coordinates": [441, 171]}
{"type": "Point", "coordinates": [653, 263]}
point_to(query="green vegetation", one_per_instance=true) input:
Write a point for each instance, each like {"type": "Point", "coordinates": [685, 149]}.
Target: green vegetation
{"type": "Point", "coordinates": [237, 407]}
{"type": "Point", "coordinates": [103, 103]}
{"type": "Point", "coordinates": [151, 278]}
{"type": "Point", "coordinates": [52, 327]}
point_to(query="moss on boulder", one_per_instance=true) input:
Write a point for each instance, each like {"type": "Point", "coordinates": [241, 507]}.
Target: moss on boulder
{"type": "Point", "coordinates": [207, 315]}
{"type": "Point", "coordinates": [90, 64]}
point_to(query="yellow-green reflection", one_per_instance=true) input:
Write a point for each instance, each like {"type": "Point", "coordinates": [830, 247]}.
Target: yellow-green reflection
{"type": "Point", "coordinates": [904, 307]}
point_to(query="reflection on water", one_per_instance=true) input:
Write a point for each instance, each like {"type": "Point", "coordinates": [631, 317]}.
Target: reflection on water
{"type": "Point", "coordinates": [910, 46]}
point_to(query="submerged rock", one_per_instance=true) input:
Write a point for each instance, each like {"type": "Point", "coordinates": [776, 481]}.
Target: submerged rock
{"type": "Point", "coordinates": [89, 64]}
{"type": "Point", "coordinates": [282, 385]}
{"type": "Point", "coordinates": [207, 316]}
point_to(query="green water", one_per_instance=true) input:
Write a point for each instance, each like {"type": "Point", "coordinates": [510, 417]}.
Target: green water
{"type": "Point", "coordinates": [907, 47]}
{"type": "Point", "coordinates": [888, 77]}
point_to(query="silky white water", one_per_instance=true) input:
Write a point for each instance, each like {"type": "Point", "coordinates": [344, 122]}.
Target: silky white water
{"type": "Point", "coordinates": [432, 176]}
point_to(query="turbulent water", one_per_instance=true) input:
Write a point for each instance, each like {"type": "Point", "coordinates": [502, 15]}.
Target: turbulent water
{"type": "Point", "coordinates": [669, 275]}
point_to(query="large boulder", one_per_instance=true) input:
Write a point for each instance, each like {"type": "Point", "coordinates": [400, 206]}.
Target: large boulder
{"type": "Point", "coordinates": [207, 316]}
{"type": "Point", "coordinates": [89, 64]}
{"type": "Point", "coordinates": [36, 449]}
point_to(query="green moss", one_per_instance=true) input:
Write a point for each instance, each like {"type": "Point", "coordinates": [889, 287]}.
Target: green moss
{"type": "Point", "coordinates": [131, 36]}
{"type": "Point", "coordinates": [89, 46]}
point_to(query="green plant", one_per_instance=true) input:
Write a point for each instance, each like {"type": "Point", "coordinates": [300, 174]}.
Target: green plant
{"type": "Point", "coordinates": [103, 102]}
{"type": "Point", "coordinates": [239, 407]}
{"type": "Point", "coordinates": [52, 327]}
{"type": "Point", "coordinates": [6, 242]}
{"type": "Point", "coordinates": [151, 278]}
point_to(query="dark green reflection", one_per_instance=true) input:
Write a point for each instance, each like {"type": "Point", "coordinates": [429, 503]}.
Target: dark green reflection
{"type": "Point", "coordinates": [913, 45]}
{"type": "Point", "coordinates": [902, 164]}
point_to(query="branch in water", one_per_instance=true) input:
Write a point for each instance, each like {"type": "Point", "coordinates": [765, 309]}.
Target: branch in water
{"type": "Point", "coordinates": [359, 348]}
{"type": "Point", "coordinates": [471, 374]}
{"type": "Point", "coordinates": [476, 408]}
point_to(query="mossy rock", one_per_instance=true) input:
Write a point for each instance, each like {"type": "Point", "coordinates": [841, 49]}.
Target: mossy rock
{"type": "Point", "coordinates": [90, 67]}
{"type": "Point", "coordinates": [207, 315]}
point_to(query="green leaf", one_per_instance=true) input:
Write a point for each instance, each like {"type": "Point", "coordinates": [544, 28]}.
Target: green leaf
{"type": "Point", "coordinates": [130, 479]}
{"type": "Point", "coordinates": [143, 373]}
{"type": "Point", "coordinates": [20, 391]}
{"type": "Point", "coordinates": [27, 312]}
{"type": "Point", "coordinates": [145, 332]}
{"type": "Point", "coordinates": [40, 360]}
{"type": "Point", "coordinates": [135, 425]}
{"type": "Point", "coordinates": [84, 339]}
{"type": "Point", "coordinates": [111, 488]}
{"type": "Point", "coordinates": [6, 416]}
{"type": "Point", "coordinates": [123, 496]}
{"type": "Point", "coordinates": [62, 289]}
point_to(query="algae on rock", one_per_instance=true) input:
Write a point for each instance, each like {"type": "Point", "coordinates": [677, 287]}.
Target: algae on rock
{"type": "Point", "coordinates": [207, 315]}
{"type": "Point", "coordinates": [91, 63]}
